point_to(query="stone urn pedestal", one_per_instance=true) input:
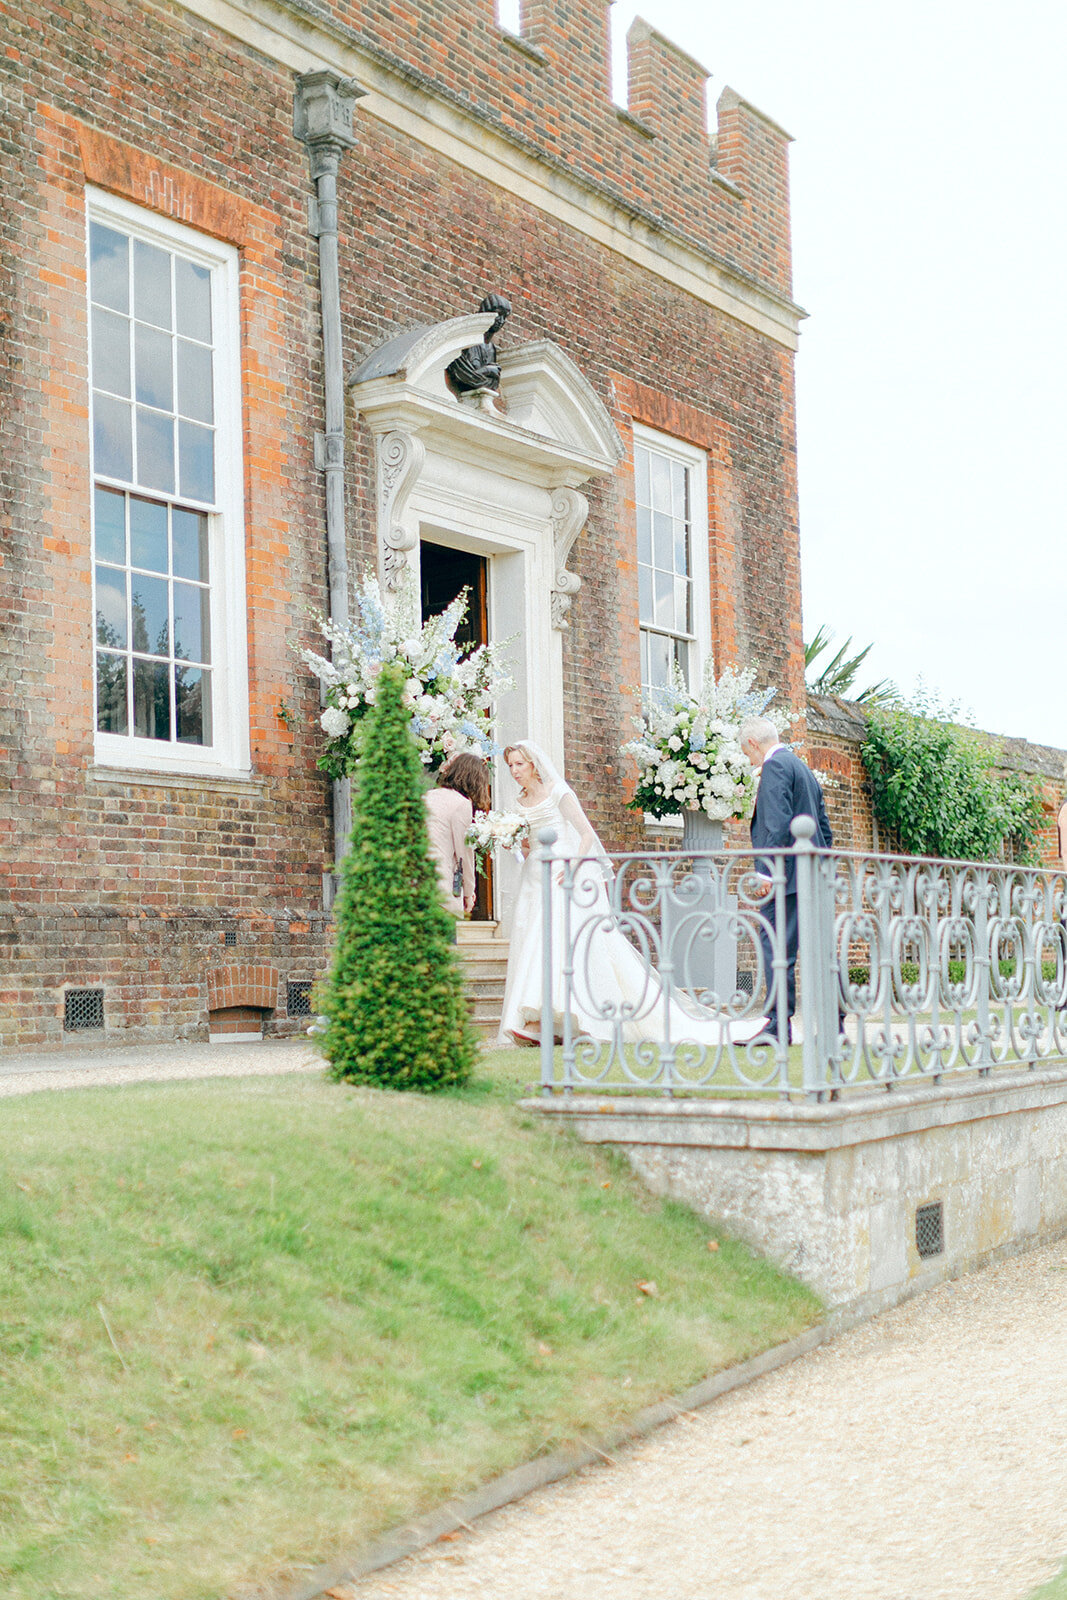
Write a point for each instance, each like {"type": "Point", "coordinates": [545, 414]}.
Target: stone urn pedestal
{"type": "Point", "coordinates": [698, 915]}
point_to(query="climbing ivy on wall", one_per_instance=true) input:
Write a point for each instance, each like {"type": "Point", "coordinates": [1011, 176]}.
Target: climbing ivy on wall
{"type": "Point", "coordinates": [936, 789]}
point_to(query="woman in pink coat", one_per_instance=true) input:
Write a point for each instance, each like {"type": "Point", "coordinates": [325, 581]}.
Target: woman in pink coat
{"type": "Point", "coordinates": [462, 789]}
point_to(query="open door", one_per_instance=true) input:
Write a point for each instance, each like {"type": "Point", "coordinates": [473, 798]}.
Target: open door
{"type": "Point", "coordinates": [444, 572]}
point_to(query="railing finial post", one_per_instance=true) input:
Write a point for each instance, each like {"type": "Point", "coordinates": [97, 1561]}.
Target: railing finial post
{"type": "Point", "coordinates": [546, 839]}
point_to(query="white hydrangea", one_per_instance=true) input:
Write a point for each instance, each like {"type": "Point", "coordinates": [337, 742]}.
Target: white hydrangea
{"type": "Point", "coordinates": [333, 722]}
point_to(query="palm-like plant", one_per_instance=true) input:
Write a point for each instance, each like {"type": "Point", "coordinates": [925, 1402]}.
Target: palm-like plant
{"type": "Point", "coordinates": [838, 675]}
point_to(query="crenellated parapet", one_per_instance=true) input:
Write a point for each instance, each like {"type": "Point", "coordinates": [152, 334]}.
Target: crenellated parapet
{"type": "Point", "coordinates": [547, 90]}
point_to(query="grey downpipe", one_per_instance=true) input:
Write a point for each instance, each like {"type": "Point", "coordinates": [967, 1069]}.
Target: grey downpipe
{"type": "Point", "coordinates": [322, 120]}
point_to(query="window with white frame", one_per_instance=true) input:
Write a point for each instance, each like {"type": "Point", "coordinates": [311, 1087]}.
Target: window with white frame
{"type": "Point", "coordinates": [168, 568]}
{"type": "Point", "coordinates": [672, 562]}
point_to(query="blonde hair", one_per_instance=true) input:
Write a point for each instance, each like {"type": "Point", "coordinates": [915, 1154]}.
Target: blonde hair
{"type": "Point", "coordinates": [521, 750]}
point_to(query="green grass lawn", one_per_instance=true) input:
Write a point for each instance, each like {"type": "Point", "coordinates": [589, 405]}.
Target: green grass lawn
{"type": "Point", "coordinates": [246, 1325]}
{"type": "Point", "coordinates": [1054, 1589]}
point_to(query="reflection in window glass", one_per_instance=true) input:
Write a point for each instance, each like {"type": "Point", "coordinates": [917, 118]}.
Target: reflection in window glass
{"type": "Point", "coordinates": [151, 284]}
{"type": "Point", "coordinates": [112, 437]}
{"type": "Point", "coordinates": [109, 267]}
{"type": "Point", "coordinates": [153, 352]}
{"type": "Point", "coordinates": [109, 520]}
{"type": "Point", "coordinates": [189, 536]}
{"type": "Point", "coordinates": [155, 450]}
{"type": "Point", "coordinates": [110, 607]}
{"type": "Point", "coordinates": [195, 398]}
{"type": "Point", "coordinates": [111, 710]}
{"type": "Point", "coordinates": [192, 284]}
{"type": "Point", "coordinates": [148, 534]}
{"type": "Point", "coordinates": [197, 454]}
{"type": "Point", "coordinates": [151, 699]}
{"type": "Point", "coordinates": [192, 705]}
{"type": "Point", "coordinates": [111, 352]}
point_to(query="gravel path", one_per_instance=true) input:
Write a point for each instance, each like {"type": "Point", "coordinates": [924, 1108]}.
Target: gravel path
{"type": "Point", "coordinates": [922, 1456]}
{"type": "Point", "coordinates": [165, 1063]}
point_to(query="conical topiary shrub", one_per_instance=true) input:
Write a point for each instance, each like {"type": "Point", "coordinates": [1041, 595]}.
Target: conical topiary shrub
{"type": "Point", "coordinates": [393, 1000]}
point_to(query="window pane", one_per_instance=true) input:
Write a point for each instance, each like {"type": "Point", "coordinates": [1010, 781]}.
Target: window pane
{"type": "Point", "coordinates": [195, 397]}
{"type": "Point", "coordinates": [151, 622]}
{"type": "Point", "coordinates": [192, 705]}
{"type": "Point", "coordinates": [679, 487]}
{"type": "Point", "coordinates": [111, 607]}
{"type": "Point", "coordinates": [681, 547]}
{"type": "Point", "coordinates": [111, 716]}
{"type": "Point", "coordinates": [155, 450]}
{"type": "Point", "coordinates": [192, 623]}
{"type": "Point", "coordinates": [664, 612]}
{"type": "Point", "coordinates": [644, 591]}
{"type": "Point", "coordinates": [148, 534]}
{"type": "Point", "coordinates": [663, 540]}
{"type": "Point", "coordinates": [659, 660]}
{"type": "Point", "coordinates": [109, 267]}
{"type": "Point", "coordinates": [681, 605]}
{"type": "Point", "coordinates": [644, 659]}
{"type": "Point", "coordinates": [109, 522]}
{"type": "Point", "coordinates": [112, 437]}
{"type": "Point", "coordinates": [151, 284]}
{"type": "Point", "coordinates": [644, 535]}
{"type": "Point", "coordinates": [152, 359]}
{"type": "Point", "coordinates": [681, 656]}
{"type": "Point", "coordinates": [661, 482]}
{"type": "Point", "coordinates": [111, 352]}
{"type": "Point", "coordinates": [151, 699]}
{"type": "Point", "coordinates": [196, 452]}
{"type": "Point", "coordinates": [641, 476]}
{"type": "Point", "coordinates": [192, 288]}
{"type": "Point", "coordinates": [189, 538]}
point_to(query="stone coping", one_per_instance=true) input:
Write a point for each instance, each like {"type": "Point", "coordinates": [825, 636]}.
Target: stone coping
{"type": "Point", "coordinates": [859, 1118]}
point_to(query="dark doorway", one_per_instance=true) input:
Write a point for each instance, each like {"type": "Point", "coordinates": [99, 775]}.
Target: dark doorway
{"type": "Point", "coordinates": [444, 572]}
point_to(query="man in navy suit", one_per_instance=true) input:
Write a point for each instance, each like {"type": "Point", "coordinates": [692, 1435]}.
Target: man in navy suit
{"type": "Point", "coordinates": [787, 789]}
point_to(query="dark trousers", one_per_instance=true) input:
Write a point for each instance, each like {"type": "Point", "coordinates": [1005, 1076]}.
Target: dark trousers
{"type": "Point", "coordinates": [769, 912]}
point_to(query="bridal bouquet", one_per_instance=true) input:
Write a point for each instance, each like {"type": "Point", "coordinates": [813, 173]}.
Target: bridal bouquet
{"type": "Point", "coordinates": [451, 698]}
{"type": "Point", "coordinates": [688, 749]}
{"type": "Point", "coordinates": [490, 830]}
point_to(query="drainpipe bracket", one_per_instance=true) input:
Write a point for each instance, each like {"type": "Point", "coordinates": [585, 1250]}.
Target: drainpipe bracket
{"type": "Point", "coordinates": [329, 451]}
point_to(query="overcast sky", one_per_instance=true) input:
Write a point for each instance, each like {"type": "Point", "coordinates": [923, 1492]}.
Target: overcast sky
{"type": "Point", "coordinates": [928, 190]}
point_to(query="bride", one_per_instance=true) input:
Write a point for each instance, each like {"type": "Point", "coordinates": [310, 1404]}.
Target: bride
{"type": "Point", "coordinates": [612, 985]}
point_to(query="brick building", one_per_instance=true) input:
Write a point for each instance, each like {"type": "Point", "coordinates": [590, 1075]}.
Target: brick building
{"type": "Point", "coordinates": [204, 433]}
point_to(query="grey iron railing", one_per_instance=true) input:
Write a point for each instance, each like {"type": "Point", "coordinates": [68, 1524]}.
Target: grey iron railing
{"type": "Point", "coordinates": [910, 969]}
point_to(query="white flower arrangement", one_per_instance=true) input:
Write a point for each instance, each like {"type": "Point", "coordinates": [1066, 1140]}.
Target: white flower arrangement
{"type": "Point", "coordinates": [688, 748]}
{"type": "Point", "coordinates": [491, 830]}
{"type": "Point", "coordinates": [451, 696]}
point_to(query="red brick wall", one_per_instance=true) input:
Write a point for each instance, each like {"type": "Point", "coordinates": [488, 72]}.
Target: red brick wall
{"type": "Point", "coordinates": [129, 881]}
{"type": "Point", "coordinates": [835, 737]}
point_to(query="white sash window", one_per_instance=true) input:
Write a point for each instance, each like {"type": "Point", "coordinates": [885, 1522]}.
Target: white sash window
{"type": "Point", "coordinates": [670, 480]}
{"type": "Point", "coordinates": [168, 568]}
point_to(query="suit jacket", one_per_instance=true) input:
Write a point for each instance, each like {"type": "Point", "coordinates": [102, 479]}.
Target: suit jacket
{"type": "Point", "coordinates": [787, 789]}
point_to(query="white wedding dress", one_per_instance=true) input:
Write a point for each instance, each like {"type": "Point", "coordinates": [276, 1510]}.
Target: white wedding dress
{"type": "Point", "coordinates": [614, 993]}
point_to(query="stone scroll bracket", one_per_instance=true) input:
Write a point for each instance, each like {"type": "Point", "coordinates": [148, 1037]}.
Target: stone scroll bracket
{"type": "Point", "coordinates": [569, 512]}
{"type": "Point", "coordinates": [400, 458]}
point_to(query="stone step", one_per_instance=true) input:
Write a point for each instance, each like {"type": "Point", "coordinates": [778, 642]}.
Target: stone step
{"type": "Point", "coordinates": [479, 968]}
{"type": "Point", "coordinates": [485, 966]}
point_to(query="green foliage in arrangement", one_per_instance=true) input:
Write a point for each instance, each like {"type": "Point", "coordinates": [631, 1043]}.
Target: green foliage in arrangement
{"type": "Point", "coordinates": [393, 1000]}
{"type": "Point", "coordinates": [935, 787]}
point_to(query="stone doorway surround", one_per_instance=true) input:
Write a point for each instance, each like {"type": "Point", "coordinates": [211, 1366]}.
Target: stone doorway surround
{"type": "Point", "coordinates": [503, 483]}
